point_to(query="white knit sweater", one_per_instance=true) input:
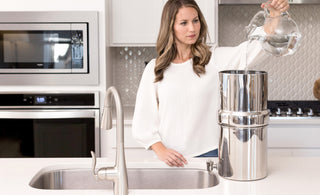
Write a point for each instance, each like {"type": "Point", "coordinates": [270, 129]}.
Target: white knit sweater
{"type": "Point", "coordinates": [186, 120]}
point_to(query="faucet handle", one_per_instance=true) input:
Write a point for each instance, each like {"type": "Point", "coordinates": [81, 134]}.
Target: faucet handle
{"type": "Point", "coordinates": [211, 165]}
{"type": "Point", "coordinates": [94, 163]}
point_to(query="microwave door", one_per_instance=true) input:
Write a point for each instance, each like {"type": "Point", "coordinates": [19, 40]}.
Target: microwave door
{"type": "Point", "coordinates": [43, 48]}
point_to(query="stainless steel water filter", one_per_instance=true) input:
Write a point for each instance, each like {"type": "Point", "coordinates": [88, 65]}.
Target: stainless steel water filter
{"type": "Point", "coordinates": [243, 118]}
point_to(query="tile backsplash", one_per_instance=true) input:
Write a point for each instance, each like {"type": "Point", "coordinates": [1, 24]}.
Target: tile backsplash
{"type": "Point", "coordinates": [290, 77]}
{"type": "Point", "coordinates": [128, 65]}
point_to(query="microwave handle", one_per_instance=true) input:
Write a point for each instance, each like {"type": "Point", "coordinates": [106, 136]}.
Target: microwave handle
{"type": "Point", "coordinates": [47, 114]}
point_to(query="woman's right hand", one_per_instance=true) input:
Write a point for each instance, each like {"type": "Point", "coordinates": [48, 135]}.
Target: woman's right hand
{"type": "Point", "coordinates": [276, 7]}
{"type": "Point", "coordinates": [170, 157]}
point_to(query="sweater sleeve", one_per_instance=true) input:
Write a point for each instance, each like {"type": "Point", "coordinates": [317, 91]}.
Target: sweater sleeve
{"type": "Point", "coordinates": [247, 55]}
{"type": "Point", "coordinates": [145, 123]}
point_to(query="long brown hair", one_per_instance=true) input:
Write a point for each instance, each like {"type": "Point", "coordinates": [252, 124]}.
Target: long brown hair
{"type": "Point", "coordinates": [166, 48]}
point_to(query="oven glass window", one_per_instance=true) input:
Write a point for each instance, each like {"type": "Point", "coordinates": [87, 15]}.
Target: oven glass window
{"type": "Point", "coordinates": [57, 49]}
{"type": "Point", "coordinates": [46, 137]}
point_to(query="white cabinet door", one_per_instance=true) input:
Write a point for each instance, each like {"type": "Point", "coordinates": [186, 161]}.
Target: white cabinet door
{"type": "Point", "coordinates": [209, 10]}
{"type": "Point", "coordinates": [137, 22]}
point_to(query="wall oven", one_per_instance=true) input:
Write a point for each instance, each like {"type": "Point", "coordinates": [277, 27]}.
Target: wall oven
{"type": "Point", "coordinates": [49, 124]}
{"type": "Point", "coordinates": [49, 48]}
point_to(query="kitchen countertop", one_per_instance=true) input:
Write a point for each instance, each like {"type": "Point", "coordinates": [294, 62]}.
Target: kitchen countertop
{"type": "Point", "coordinates": [287, 175]}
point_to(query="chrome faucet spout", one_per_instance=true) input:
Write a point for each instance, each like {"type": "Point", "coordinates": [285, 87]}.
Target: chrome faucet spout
{"type": "Point", "coordinates": [118, 173]}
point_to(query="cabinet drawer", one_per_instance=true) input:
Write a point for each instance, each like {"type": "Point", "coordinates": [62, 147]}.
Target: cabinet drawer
{"type": "Point", "coordinates": [294, 135]}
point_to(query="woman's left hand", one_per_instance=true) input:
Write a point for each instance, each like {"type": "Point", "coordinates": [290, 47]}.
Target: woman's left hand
{"type": "Point", "coordinates": [276, 7]}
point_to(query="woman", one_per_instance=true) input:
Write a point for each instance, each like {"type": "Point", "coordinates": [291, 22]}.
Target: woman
{"type": "Point", "coordinates": [177, 100]}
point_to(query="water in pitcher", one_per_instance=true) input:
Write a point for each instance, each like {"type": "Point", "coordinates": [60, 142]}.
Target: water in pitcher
{"type": "Point", "coordinates": [278, 45]}
{"type": "Point", "coordinates": [283, 40]}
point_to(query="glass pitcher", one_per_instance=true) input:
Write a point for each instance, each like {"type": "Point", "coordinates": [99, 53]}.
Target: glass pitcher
{"type": "Point", "coordinates": [284, 38]}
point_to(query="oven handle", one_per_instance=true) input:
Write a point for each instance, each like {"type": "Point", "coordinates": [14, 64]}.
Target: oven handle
{"type": "Point", "coordinates": [48, 114]}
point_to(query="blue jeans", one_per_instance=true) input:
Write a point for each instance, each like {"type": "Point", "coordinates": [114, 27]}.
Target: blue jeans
{"type": "Point", "coordinates": [212, 153]}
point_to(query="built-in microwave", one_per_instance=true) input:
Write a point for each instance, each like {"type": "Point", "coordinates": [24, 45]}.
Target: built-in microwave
{"type": "Point", "coordinates": [43, 48]}
{"type": "Point", "coordinates": [49, 48]}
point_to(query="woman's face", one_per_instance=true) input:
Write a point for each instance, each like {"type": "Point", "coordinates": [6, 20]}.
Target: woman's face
{"type": "Point", "coordinates": [186, 26]}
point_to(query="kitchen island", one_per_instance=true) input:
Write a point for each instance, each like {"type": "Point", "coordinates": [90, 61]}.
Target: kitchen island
{"type": "Point", "coordinates": [287, 175]}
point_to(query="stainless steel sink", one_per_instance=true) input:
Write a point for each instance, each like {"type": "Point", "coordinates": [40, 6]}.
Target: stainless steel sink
{"type": "Point", "coordinates": [139, 178]}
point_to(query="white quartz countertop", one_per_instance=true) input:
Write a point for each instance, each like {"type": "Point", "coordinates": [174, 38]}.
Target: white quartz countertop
{"type": "Point", "coordinates": [287, 175]}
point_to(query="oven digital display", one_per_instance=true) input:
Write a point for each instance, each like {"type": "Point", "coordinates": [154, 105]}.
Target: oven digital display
{"type": "Point", "coordinates": [40, 100]}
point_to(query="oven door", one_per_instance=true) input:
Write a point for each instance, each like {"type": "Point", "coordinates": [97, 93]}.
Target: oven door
{"type": "Point", "coordinates": [49, 133]}
{"type": "Point", "coordinates": [43, 48]}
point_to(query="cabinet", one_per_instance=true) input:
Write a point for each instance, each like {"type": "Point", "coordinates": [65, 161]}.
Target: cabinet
{"type": "Point", "coordinates": [136, 23]}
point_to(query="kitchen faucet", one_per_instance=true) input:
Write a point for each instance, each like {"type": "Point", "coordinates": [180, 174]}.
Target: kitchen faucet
{"type": "Point", "coordinates": [118, 173]}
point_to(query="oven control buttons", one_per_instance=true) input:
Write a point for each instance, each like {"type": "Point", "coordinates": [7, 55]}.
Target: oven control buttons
{"type": "Point", "coordinates": [28, 100]}
{"type": "Point", "coordinates": [294, 109]}
{"type": "Point", "coordinates": [310, 113]}
{"type": "Point", "coordinates": [289, 112]}
{"type": "Point", "coordinates": [49, 99]}
{"type": "Point", "coordinates": [299, 112]}
{"type": "Point", "coordinates": [278, 112]}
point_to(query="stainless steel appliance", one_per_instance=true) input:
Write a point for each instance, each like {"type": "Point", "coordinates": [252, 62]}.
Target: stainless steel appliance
{"type": "Point", "coordinates": [243, 118]}
{"type": "Point", "coordinates": [49, 124]}
{"type": "Point", "coordinates": [49, 48]}
{"type": "Point", "coordinates": [294, 110]}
